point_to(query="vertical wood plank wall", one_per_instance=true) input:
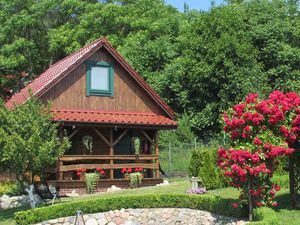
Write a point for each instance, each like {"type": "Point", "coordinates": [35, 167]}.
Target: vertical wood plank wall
{"type": "Point", "coordinates": [70, 93]}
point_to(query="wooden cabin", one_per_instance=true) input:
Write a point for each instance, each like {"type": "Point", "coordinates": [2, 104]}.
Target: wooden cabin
{"type": "Point", "coordinates": [104, 106]}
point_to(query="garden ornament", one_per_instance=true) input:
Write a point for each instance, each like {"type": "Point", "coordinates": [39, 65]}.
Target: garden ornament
{"type": "Point", "coordinates": [31, 196]}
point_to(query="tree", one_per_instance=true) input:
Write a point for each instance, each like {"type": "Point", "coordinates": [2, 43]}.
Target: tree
{"type": "Point", "coordinates": [201, 63]}
{"type": "Point", "coordinates": [259, 131]}
{"type": "Point", "coordinates": [227, 52]}
{"type": "Point", "coordinates": [29, 140]}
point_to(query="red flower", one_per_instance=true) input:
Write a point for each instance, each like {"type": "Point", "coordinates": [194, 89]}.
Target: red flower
{"type": "Point", "coordinates": [123, 170]}
{"type": "Point", "coordinates": [277, 187]}
{"type": "Point", "coordinates": [235, 205]}
{"type": "Point", "coordinates": [102, 172]}
{"type": "Point", "coordinates": [251, 98]}
{"type": "Point", "coordinates": [129, 170]}
{"type": "Point", "coordinates": [274, 204]}
{"type": "Point", "coordinates": [140, 169]}
{"type": "Point", "coordinates": [255, 158]}
{"type": "Point", "coordinates": [257, 141]}
{"type": "Point", "coordinates": [99, 170]}
{"type": "Point", "coordinates": [259, 203]}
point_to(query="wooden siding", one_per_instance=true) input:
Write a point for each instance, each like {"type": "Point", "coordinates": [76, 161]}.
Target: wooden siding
{"type": "Point", "coordinates": [70, 93]}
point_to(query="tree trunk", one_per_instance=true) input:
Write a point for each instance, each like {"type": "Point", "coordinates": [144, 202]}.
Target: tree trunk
{"type": "Point", "coordinates": [250, 202]}
{"type": "Point", "coordinates": [292, 181]}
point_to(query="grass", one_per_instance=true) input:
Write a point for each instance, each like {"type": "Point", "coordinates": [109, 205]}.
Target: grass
{"type": "Point", "coordinates": [285, 213]}
{"type": "Point", "coordinates": [6, 216]}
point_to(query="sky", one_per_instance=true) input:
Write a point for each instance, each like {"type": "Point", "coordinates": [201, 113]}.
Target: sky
{"type": "Point", "coordinates": [193, 4]}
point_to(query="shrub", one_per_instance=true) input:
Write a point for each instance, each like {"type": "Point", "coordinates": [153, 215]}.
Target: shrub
{"type": "Point", "coordinates": [135, 179]}
{"type": "Point", "coordinates": [195, 163]}
{"type": "Point", "coordinates": [203, 164]}
{"type": "Point", "coordinates": [203, 202]}
{"type": "Point", "coordinates": [265, 216]}
{"type": "Point", "coordinates": [211, 176]}
{"type": "Point", "coordinates": [91, 180]}
{"type": "Point", "coordinates": [281, 180]}
{"type": "Point", "coordinates": [10, 188]}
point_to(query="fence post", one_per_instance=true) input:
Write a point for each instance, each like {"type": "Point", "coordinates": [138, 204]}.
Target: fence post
{"type": "Point", "coordinates": [170, 157]}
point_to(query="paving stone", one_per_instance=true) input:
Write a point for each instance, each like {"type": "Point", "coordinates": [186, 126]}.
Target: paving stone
{"type": "Point", "coordinates": [91, 221]}
{"type": "Point", "coordinates": [102, 221]}
{"type": "Point", "coordinates": [167, 216]}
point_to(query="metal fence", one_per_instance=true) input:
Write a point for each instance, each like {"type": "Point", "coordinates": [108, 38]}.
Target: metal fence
{"type": "Point", "coordinates": [174, 159]}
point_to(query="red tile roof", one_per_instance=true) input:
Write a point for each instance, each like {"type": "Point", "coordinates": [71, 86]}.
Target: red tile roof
{"type": "Point", "coordinates": [115, 118]}
{"type": "Point", "coordinates": [60, 69]}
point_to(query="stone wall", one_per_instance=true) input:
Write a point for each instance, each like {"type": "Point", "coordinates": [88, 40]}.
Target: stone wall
{"type": "Point", "coordinates": [7, 202]}
{"type": "Point", "coordinates": [165, 216]}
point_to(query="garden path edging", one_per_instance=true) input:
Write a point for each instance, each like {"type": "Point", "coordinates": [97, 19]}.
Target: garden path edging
{"type": "Point", "coordinates": [161, 216]}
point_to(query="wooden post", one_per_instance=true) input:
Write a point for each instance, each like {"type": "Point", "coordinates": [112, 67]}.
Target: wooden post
{"type": "Point", "coordinates": [111, 152]}
{"type": "Point", "coordinates": [156, 154]}
{"type": "Point", "coordinates": [59, 175]}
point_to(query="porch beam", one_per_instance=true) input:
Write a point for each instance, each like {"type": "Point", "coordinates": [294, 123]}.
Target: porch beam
{"type": "Point", "coordinates": [108, 166]}
{"type": "Point", "coordinates": [74, 132]}
{"type": "Point", "coordinates": [120, 137]}
{"type": "Point", "coordinates": [70, 158]}
{"type": "Point", "coordinates": [148, 138]}
{"type": "Point", "coordinates": [102, 137]}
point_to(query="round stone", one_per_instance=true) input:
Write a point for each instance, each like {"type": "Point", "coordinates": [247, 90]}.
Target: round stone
{"type": "Point", "coordinates": [91, 221]}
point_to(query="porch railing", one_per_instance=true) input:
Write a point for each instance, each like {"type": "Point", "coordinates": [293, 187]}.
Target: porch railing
{"type": "Point", "coordinates": [78, 163]}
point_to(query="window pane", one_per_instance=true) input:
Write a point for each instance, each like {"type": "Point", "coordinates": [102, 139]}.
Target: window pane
{"type": "Point", "coordinates": [100, 78]}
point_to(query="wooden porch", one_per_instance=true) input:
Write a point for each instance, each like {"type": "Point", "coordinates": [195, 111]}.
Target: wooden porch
{"type": "Point", "coordinates": [110, 153]}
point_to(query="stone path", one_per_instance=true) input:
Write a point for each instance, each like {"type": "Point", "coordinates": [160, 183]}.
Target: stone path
{"type": "Point", "coordinates": [158, 216]}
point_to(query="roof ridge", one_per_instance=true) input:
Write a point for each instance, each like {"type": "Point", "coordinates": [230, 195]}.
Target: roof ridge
{"type": "Point", "coordinates": [78, 50]}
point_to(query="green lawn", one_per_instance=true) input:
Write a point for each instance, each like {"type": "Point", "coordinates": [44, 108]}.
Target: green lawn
{"type": "Point", "coordinates": [286, 215]}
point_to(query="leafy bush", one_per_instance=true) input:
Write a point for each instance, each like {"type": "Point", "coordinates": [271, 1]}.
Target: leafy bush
{"type": "Point", "coordinates": [10, 188]}
{"type": "Point", "coordinates": [195, 163]}
{"type": "Point", "coordinates": [282, 180]}
{"type": "Point", "coordinates": [265, 216]}
{"type": "Point", "coordinates": [203, 202]}
{"type": "Point", "coordinates": [203, 164]}
{"type": "Point", "coordinates": [91, 182]}
{"type": "Point", "coordinates": [135, 179]}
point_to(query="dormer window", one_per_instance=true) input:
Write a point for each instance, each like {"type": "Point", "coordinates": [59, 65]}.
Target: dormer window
{"type": "Point", "coordinates": [99, 79]}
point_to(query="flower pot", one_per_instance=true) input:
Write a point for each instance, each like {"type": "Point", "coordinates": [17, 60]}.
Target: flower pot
{"type": "Point", "coordinates": [126, 176]}
{"type": "Point", "coordinates": [82, 177]}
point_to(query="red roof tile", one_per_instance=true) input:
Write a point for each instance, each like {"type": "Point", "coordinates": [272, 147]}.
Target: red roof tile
{"type": "Point", "coordinates": [60, 69]}
{"type": "Point", "coordinates": [117, 118]}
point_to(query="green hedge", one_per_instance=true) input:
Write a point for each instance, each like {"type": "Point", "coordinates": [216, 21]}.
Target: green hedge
{"type": "Point", "coordinates": [203, 202]}
{"type": "Point", "coordinates": [265, 216]}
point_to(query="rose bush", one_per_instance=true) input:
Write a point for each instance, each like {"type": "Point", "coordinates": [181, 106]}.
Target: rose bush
{"type": "Point", "coordinates": [259, 132]}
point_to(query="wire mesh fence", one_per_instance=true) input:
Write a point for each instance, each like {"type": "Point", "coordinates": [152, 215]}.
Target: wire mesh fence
{"type": "Point", "coordinates": [174, 158]}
